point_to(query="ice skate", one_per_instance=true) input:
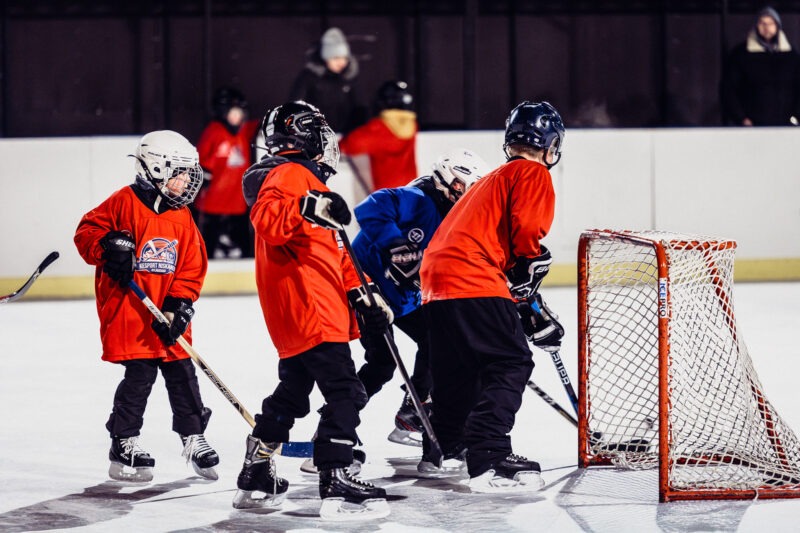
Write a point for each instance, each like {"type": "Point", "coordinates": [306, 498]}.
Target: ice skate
{"type": "Point", "coordinates": [129, 462]}
{"type": "Point", "coordinates": [513, 474]}
{"type": "Point", "coordinates": [408, 426]}
{"type": "Point", "coordinates": [258, 475]}
{"type": "Point", "coordinates": [202, 456]}
{"type": "Point", "coordinates": [451, 465]}
{"type": "Point", "coordinates": [359, 458]}
{"type": "Point", "coordinates": [345, 497]}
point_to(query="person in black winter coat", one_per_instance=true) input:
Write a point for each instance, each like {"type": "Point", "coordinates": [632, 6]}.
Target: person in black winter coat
{"type": "Point", "coordinates": [329, 81]}
{"type": "Point", "coordinates": [761, 78]}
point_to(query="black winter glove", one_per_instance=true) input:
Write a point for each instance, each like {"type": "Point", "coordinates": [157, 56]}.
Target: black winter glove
{"type": "Point", "coordinates": [325, 209]}
{"type": "Point", "coordinates": [405, 259]}
{"type": "Point", "coordinates": [372, 320]}
{"type": "Point", "coordinates": [527, 274]}
{"type": "Point", "coordinates": [179, 312]}
{"type": "Point", "coordinates": [119, 254]}
{"type": "Point", "coordinates": [540, 324]}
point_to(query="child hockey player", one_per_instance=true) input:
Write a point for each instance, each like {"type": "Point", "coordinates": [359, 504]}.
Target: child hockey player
{"type": "Point", "coordinates": [144, 232]}
{"type": "Point", "coordinates": [303, 277]}
{"type": "Point", "coordinates": [396, 227]}
{"type": "Point", "coordinates": [484, 256]}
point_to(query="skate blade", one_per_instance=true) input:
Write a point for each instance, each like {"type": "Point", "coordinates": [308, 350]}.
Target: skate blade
{"type": "Point", "coordinates": [120, 472]}
{"type": "Point", "coordinates": [489, 483]}
{"type": "Point", "coordinates": [243, 499]}
{"type": "Point", "coordinates": [407, 438]}
{"type": "Point", "coordinates": [308, 467]}
{"type": "Point", "coordinates": [449, 468]}
{"type": "Point", "coordinates": [208, 473]}
{"type": "Point", "coordinates": [337, 510]}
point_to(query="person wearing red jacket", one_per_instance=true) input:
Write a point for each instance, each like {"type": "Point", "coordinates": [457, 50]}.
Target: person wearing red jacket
{"type": "Point", "coordinates": [225, 149]}
{"type": "Point", "coordinates": [145, 232]}
{"type": "Point", "coordinates": [307, 284]}
{"type": "Point", "coordinates": [485, 256]}
{"type": "Point", "coordinates": [389, 139]}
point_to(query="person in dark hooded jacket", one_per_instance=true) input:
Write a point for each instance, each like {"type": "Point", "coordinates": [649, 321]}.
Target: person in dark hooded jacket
{"type": "Point", "coordinates": [761, 78]}
{"type": "Point", "coordinates": [329, 81]}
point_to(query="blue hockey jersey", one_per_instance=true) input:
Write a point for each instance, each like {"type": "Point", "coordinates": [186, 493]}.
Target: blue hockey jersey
{"type": "Point", "coordinates": [386, 217]}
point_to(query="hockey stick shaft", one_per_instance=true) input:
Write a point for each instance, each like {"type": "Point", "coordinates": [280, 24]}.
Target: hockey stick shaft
{"type": "Point", "coordinates": [288, 449]}
{"type": "Point", "coordinates": [562, 373]}
{"type": "Point", "coordinates": [359, 177]}
{"type": "Point", "coordinates": [19, 293]}
{"type": "Point", "coordinates": [426, 422]}
{"type": "Point", "coordinates": [552, 403]}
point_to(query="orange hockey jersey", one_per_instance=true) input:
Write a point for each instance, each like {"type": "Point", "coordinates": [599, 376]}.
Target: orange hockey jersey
{"type": "Point", "coordinates": [302, 271]}
{"type": "Point", "coordinates": [502, 216]}
{"type": "Point", "coordinates": [171, 260]}
{"type": "Point", "coordinates": [226, 157]}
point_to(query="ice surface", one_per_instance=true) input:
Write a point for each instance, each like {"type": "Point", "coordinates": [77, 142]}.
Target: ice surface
{"type": "Point", "coordinates": [56, 395]}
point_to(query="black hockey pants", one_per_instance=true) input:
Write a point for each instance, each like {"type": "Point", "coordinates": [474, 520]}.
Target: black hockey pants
{"type": "Point", "coordinates": [480, 362]}
{"type": "Point", "coordinates": [330, 366]}
{"type": "Point", "coordinates": [130, 399]}
{"type": "Point", "coordinates": [379, 365]}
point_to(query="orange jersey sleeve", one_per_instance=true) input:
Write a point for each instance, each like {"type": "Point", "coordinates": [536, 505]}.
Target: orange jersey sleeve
{"type": "Point", "coordinates": [502, 217]}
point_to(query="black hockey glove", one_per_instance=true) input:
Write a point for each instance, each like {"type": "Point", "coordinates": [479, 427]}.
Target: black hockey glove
{"type": "Point", "coordinates": [527, 274]}
{"type": "Point", "coordinates": [179, 312]}
{"type": "Point", "coordinates": [325, 209]}
{"type": "Point", "coordinates": [405, 259]}
{"type": "Point", "coordinates": [372, 320]}
{"type": "Point", "coordinates": [540, 324]}
{"type": "Point", "coordinates": [119, 254]}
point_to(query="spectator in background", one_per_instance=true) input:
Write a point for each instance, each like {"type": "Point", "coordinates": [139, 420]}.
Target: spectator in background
{"type": "Point", "coordinates": [389, 139]}
{"type": "Point", "coordinates": [329, 82]}
{"type": "Point", "coordinates": [761, 79]}
{"type": "Point", "coordinates": [225, 153]}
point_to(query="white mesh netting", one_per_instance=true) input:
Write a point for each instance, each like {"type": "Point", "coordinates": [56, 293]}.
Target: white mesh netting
{"type": "Point", "coordinates": [723, 433]}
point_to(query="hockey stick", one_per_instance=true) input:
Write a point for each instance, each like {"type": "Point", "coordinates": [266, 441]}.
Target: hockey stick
{"type": "Point", "coordinates": [359, 177]}
{"type": "Point", "coordinates": [423, 416]}
{"type": "Point", "coordinates": [288, 449]}
{"type": "Point", "coordinates": [562, 373]}
{"type": "Point", "coordinates": [551, 402]}
{"type": "Point", "coordinates": [19, 293]}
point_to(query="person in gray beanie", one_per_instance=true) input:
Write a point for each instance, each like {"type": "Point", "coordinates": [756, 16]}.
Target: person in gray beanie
{"type": "Point", "coordinates": [761, 77]}
{"type": "Point", "coordinates": [329, 81]}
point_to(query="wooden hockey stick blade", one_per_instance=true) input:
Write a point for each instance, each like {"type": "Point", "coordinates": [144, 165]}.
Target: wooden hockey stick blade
{"type": "Point", "coordinates": [19, 293]}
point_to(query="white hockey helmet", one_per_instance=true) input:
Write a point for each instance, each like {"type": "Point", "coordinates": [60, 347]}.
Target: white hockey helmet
{"type": "Point", "coordinates": [169, 161]}
{"type": "Point", "coordinates": [456, 171]}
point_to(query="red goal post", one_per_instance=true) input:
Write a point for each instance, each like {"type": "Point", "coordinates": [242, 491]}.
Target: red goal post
{"type": "Point", "coordinates": [665, 380]}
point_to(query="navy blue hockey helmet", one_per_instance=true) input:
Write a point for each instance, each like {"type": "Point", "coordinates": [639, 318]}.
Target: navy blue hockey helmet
{"type": "Point", "coordinates": [536, 124]}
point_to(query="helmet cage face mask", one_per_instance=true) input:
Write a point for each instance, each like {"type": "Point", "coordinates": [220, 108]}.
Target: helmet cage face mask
{"type": "Point", "coordinates": [456, 171]}
{"type": "Point", "coordinates": [303, 130]}
{"type": "Point", "coordinates": [171, 164]}
{"type": "Point", "coordinates": [538, 125]}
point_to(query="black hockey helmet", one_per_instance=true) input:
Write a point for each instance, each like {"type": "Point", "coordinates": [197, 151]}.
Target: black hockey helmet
{"type": "Point", "coordinates": [300, 127]}
{"type": "Point", "coordinates": [536, 124]}
{"type": "Point", "coordinates": [394, 95]}
{"type": "Point", "coordinates": [225, 98]}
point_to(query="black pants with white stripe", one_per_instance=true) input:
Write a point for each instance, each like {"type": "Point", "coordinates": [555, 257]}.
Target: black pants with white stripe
{"type": "Point", "coordinates": [481, 363]}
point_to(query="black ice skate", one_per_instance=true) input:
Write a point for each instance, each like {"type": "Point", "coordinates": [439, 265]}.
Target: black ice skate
{"type": "Point", "coordinates": [129, 462]}
{"type": "Point", "coordinates": [202, 456]}
{"type": "Point", "coordinates": [258, 475]}
{"type": "Point", "coordinates": [452, 464]}
{"type": "Point", "coordinates": [512, 474]}
{"type": "Point", "coordinates": [407, 424]}
{"type": "Point", "coordinates": [359, 458]}
{"type": "Point", "coordinates": [345, 497]}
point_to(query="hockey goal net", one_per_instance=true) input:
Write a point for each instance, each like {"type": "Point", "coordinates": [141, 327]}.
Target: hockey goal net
{"type": "Point", "coordinates": [665, 379]}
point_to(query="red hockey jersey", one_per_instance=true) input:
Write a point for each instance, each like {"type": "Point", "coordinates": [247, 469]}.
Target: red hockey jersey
{"type": "Point", "coordinates": [226, 157]}
{"type": "Point", "coordinates": [392, 157]}
{"type": "Point", "coordinates": [502, 216]}
{"type": "Point", "coordinates": [171, 260]}
{"type": "Point", "coordinates": [302, 271]}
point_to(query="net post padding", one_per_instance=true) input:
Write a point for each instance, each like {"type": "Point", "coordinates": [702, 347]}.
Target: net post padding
{"type": "Point", "coordinates": [665, 379]}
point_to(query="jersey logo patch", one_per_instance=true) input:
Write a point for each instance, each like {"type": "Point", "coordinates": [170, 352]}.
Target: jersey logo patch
{"type": "Point", "coordinates": [416, 235]}
{"type": "Point", "coordinates": [158, 256]}
{"type": "Point", "coordinates": [235, 158]}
